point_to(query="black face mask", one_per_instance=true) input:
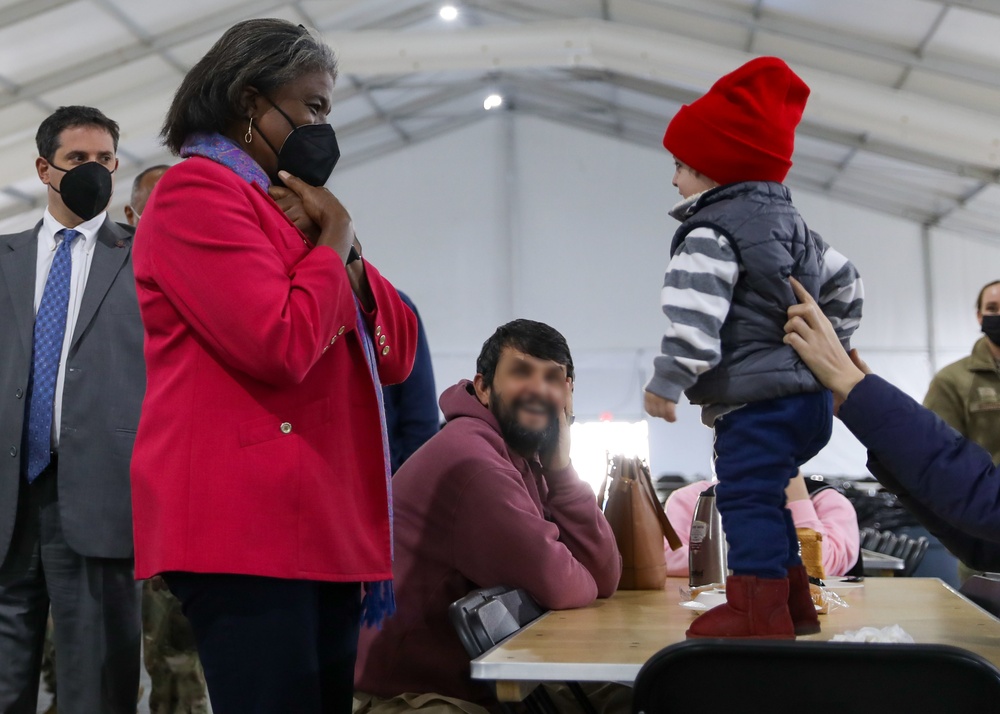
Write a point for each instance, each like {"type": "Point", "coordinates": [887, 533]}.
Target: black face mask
{"type": "Point", "coordinates": [85, 189]}
{"type": "Point", "coordinates": [310, 152]}
{"type": "Point", "coordinates": [991, 328]}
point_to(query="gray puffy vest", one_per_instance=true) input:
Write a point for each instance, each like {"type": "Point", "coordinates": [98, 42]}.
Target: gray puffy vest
{"type": "Point", "coordinates": [771, 242]}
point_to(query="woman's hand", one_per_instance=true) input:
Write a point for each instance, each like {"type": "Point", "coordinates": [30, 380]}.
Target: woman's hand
{"type": "Point", "coordinates": [291, 204]}
{"type": "Point", "coordinates": [336, 229]}
{"type": "Point", "coordinates": [810, 333]}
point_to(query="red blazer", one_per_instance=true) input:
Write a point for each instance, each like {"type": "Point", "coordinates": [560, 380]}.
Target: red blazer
{"type": "Point", "coordinates": [259, 449]}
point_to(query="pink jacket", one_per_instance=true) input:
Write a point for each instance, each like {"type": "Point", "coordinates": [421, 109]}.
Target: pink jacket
{"type": "Point", "coordinates": [827, 512]}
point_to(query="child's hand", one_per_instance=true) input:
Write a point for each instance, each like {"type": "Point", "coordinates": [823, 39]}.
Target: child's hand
{"type": "Point", "coordinates": [657, 406]}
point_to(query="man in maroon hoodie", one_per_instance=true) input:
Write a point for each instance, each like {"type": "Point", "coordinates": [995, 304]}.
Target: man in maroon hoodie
{"type": "Point", "coordinates": [492, 499]}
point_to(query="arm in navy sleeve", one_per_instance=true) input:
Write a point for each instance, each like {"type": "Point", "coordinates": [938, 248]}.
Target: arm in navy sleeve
{"type": "Point", "coordinates": [948, 482]}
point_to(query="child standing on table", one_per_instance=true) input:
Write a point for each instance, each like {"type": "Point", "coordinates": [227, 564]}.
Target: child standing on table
{"type": "Point", "coordinates": [725, 294]}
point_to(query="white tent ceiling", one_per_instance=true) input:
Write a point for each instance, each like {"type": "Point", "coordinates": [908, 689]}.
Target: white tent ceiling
{"type": "Point", "coordinates": [904, 116]}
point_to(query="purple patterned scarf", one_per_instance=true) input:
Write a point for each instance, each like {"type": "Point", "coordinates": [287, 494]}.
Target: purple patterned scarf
{"type": "Point", "coordinates": [379, 601]}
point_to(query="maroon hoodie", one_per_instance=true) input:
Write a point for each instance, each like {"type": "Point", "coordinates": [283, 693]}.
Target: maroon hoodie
{"type": "Point", "coordinates": [470, 513]}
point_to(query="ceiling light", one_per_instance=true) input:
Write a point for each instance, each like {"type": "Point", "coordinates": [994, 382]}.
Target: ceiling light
{"type": "Point", "coordinates": [492, 102]}
{"type": "Point", "coordinates": [448, 12]}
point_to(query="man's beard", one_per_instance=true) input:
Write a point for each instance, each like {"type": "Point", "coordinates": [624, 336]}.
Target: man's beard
{"type": "Point", "coordinates": [520, 438]}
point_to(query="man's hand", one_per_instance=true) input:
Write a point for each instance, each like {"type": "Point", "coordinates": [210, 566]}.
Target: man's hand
{"type": "Point", "coordinates": [657, 406]}
{"type": "Point", "coordinates": [557, 457]}
{"type": "Point", "coordinates": [810, 333]}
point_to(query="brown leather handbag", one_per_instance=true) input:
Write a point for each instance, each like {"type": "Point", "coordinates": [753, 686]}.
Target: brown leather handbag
{"type": "Point", "coordinates": [638, 522]}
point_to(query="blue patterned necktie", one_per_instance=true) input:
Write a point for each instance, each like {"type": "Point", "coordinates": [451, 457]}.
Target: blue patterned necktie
{"type": "Point", "coordinates": [50, 329]}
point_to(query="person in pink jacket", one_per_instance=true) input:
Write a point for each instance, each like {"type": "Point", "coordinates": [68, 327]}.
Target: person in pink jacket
{"type": "Point", "coordinates": [826, 511]}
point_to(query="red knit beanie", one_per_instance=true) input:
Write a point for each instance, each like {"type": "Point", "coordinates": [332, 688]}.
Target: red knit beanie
{"type": "Point", "coordinates": [743, 129]}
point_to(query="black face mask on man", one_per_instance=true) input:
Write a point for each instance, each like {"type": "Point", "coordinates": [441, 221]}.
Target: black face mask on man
{"type": "Point", "coordinates": [991, 328]}
{"type": "Point", "coordinates": [310, 152]}
{"type": "Point", "coordinates": [85, 189]}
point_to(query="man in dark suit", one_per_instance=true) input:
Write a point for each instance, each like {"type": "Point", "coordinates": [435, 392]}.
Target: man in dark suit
{"type": "Point", "coordinates": [71, 384]}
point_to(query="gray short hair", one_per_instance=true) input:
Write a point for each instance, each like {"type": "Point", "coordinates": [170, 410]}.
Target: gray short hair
{"type": "Point", "coordinates": [265, 54]}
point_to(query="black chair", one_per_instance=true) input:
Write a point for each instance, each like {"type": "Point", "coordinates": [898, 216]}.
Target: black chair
{"type": "Point", "coordinates": [815, 677]}
{"type": "Point", "coordinates": [984, 590]}
{"type": "Point", "coordinates": [886, 542]}
{"type": "Point", "coordinates": [910, 550]}
{"type": "Point", "coordinates": [914, 554]}
{"type": "Point", "coordinates": [869, 536]}
{"type": "Point", "coordinates": [486, 617]}
{"type": "Point", "coordinates": [666, 484]}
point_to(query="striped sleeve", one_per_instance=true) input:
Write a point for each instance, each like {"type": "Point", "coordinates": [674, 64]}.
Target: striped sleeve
{"type": "Point", "coordinates": [697, 292]}
{"type": "Point", "coordinates": [841, 294]}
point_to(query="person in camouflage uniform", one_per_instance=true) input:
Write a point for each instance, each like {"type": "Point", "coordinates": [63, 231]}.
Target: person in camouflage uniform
{"type": "Point", "coordinates": [170, 654]}
{"type": "Point", "coordinates": [168, 645]}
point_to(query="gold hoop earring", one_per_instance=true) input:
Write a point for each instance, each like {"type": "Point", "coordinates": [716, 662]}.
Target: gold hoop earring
{"type": "Point", "coordinates": [248, 137]}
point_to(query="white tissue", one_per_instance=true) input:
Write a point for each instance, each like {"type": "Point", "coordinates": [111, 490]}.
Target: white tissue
{"type": "Point", "coordinates": [892, 633]}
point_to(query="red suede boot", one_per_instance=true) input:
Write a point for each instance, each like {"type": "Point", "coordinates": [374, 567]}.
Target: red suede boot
{"type": "Point", "coordinates": [800, 602]}
{"type": "Point", "coordinates": [755, 608]}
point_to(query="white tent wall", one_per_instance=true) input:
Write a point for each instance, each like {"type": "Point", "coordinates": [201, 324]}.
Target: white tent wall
{"type": "Point", "coordinates": [517, 216]}
{"type": "Point", "coordinates": [960, 266]}
{"type": "Point", "coordinates": [431, 218]}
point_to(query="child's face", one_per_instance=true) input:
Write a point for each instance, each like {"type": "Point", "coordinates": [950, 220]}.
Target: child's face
{"type": "Point", "coordinates": [689, 182]}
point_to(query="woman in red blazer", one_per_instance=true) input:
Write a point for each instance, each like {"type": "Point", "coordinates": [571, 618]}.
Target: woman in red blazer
{"type": "Point", "coordinates": [260, 469]}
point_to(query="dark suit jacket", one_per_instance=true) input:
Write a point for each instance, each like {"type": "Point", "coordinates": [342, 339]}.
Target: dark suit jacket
{"type": "Point", "coordinates": [102, 396]}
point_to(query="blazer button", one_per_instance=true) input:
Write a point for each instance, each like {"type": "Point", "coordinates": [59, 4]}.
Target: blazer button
{"type": "Point", "coordinates": [325, 349]}
{"type": "Point", "coordinates": [18, 394]}
{"type": "Point", "coordinates": [286, 428]}
{"type": "Point", "coordinates": [378, 330]}
{"type": "Point", "coordinates": [381, 340]}
{"type": "Point", "coordinates": [13, 451]}
{"type": "Point", "coordinates": [341, 330]}
{"type": "Point", "coordinates": [385, 350]}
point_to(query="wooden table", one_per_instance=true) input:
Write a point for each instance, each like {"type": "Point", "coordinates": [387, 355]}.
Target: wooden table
{"type": "Point", "coordinates": [611, 639]}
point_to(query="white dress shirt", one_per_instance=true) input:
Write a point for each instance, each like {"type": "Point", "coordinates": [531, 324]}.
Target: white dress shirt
{"type": "Point", "coordinates": [82, 254]}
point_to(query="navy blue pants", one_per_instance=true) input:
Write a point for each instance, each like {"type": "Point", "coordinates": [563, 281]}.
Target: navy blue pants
{"type": "Point", "coordinates": [758, 449]}
{"type": "Point", "coordinates": [269, 645]}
